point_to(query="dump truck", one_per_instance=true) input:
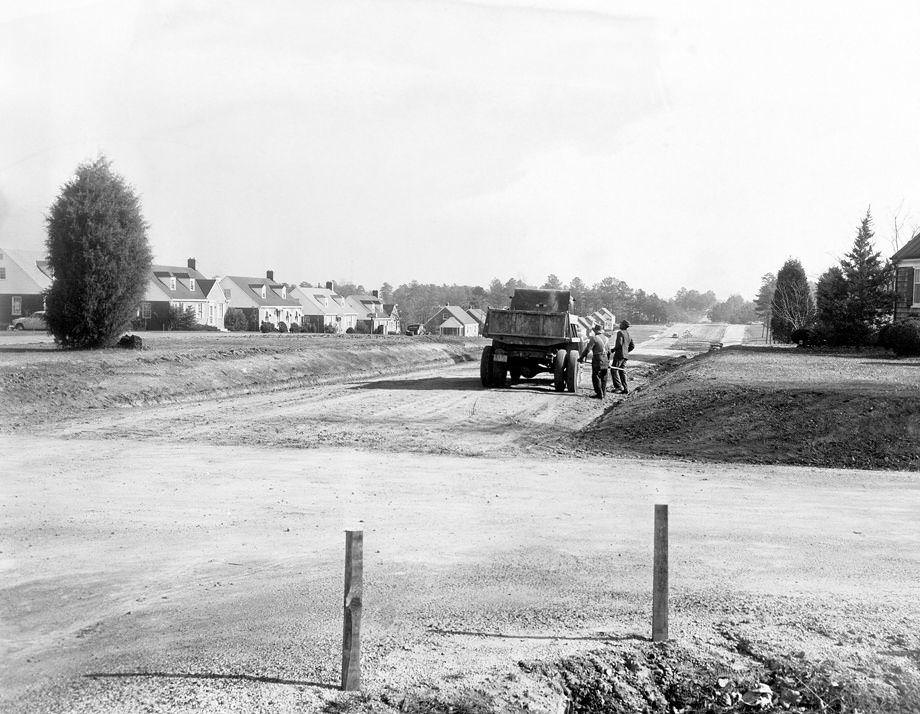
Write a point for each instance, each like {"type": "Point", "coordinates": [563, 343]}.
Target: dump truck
{"type": "Point", "coordinates": [538, 333]}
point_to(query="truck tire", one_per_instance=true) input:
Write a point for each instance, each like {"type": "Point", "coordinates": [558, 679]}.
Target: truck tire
{"type": "Point", "coordinates": [571, 371]}
{"type": "Point", "coordinates": [499, 373]}
{"type": "Point", "coordinates": [559, 370]}
{"type": "Point", "coordinates": [514, 375]}
{"type": "Point", "coordinates": [485, 367]}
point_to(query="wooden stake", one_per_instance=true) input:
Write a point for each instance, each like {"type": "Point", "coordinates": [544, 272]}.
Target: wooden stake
{"type": "Point", "coordinates": [660, 576]}
{"type": "Point", "coordinates": [351, 632]}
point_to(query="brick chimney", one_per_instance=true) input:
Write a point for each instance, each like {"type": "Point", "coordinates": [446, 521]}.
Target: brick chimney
{"type": "Point", "coordinates": [270, 274]}
{"type": "Point", "coordinates": [330, 285]}
{"type": "Point", "coordinates": [191, 264]}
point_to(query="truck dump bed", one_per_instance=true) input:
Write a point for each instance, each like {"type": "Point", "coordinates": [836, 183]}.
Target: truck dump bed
{"type": "Point", "coordinates": [527, 326]}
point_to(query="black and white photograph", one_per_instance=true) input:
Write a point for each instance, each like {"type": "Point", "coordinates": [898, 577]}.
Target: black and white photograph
{"type": "Point", "coordinates": [459, 356]}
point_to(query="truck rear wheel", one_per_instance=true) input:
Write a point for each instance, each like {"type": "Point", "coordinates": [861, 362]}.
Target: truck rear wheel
{"type": "Point", "coordinates": [559, 371]}
{"type": "Point", "coordinates": [514, 374]}
{"type": "Point", "coordinates": [571, 371]}
{"type": "Point", "coordinates": [499, 373]}
{"type": "Point", "coordinates": [485, 367]}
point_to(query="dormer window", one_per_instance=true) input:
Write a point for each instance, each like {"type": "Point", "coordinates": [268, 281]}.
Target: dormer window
{"type": "Point", "coordinates": [283, 292]}
{"type": "Point", "coordinates": [172, 282]}
{"type": "Point", "coordinates": [191, 284]}
{"type": "Point", "coordinates": [263, 292]}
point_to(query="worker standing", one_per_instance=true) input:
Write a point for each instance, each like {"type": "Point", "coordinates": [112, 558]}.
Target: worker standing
{"type": "Point", "coordinates": [599, 347]}
{"type": "Point", "coordinates": [621, 348]}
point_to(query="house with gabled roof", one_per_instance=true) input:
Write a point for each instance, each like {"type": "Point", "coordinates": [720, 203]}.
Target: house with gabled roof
{"type": "Point", "coordinates": [452, 320]}
{"type": "Point", "coordinates": [478, 315]}
{"type": "Point", "coordinates": [262, 299]}
{"type": "Point", "coordinates": [906, 263]}
{"type": "Point", "coordinates": [25, 276]}
{"type": "Point", "coordinates": [373, 316]}
{"type": "Point", "coordinates": [324, 310]}
{"type": "Point", "coordinates": [604, 318]}
{"type": "Point", "coordinates": [175, 288]}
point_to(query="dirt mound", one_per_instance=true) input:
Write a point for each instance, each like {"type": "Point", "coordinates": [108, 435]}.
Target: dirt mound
{"type": "Point", "coordinates": [774, 406]}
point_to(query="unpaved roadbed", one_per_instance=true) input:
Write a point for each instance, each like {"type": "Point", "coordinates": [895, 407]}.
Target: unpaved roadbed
{"type": "Point", "coordinates": [216, 572]}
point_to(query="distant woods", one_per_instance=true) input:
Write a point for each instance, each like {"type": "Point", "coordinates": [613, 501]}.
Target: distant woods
{"type": "Point", "coordinates": [418, 301]}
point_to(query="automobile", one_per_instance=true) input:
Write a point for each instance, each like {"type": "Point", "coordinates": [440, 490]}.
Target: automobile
{"type": "Point", "coordinates": [35, 321]}
{"type": "Point", "coordinates": [415, 329]}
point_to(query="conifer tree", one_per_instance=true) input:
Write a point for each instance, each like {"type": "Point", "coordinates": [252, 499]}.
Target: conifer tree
{"type": "Point", "coordinates": [99, 255]}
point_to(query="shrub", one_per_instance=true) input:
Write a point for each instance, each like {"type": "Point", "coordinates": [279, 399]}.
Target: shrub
{"type": "Point", "coordinates": [100, 258]}
{"type": "Point", "coordinates": [266, 327]}
{"type": "Point", "coordinates": [294, 327]}
{"type": "Point", "coordinates": [130, 342]}
{"type": "Point", "coordinates": [350, 331]}
{"type": "Point", "coordinates": [330, 329]}
{"type": "Point", "coordinates": [903, 337]}
{"type": "Point", "coordinates": [181, 319]}
{"type": "Point", "coordinates": [282, 326]}
{"type": "Point", "coordinates": [236, 321]}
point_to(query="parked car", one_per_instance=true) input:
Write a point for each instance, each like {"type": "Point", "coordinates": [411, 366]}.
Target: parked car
{"type": "Point", "coordinates": [415, 329]}
{"type": "Point", "coordinates": [35, 321]}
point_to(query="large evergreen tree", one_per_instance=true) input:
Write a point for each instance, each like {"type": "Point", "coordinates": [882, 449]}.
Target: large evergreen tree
{"type": "Point", "coordinates": [792, 307]}
{"type": "Point", "coordinates": [765, 295]}
{"type": "Point", "coordinates": [99, 255]}
{"type": "Point", "coordinates": [868, 280]}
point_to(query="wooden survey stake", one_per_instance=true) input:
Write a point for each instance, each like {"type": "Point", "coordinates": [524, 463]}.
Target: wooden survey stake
{"type": "Point", "coordinates": [351, 633]}
{"type": "Point", "coordinates": [660, 576]}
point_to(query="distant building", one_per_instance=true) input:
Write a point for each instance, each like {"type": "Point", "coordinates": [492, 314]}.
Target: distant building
{"type": "Point", "coordinates": [907, 279]}
{"type": "Point", "coordinates": [324, 310]}
{"type": "Point", "coordinates": [262, 299]}
{"type": "Point", "coordinates": [171, 287]}
{"type": "Point", "coordinates": [373, 315]}
{"type": "Point", "coordinates": [603, 317]}
{"type": "Point", "coordinates": [478, 315]}
{"type": "Point", "coordinates": [452, 320]}
{"type": "Point", "coordinates": [24, 277]}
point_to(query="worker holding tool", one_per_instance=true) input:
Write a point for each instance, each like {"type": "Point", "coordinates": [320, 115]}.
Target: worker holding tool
{"type": "Point", "coordinates": [621, 348]}
{"type": "Point", "coordinates": [599, 347]}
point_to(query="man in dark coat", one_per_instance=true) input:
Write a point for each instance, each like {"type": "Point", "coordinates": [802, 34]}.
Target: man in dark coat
{"type": "Point", "coordinates": [599, 347]}
{"type": "Point", "coordinates": [621, 348]}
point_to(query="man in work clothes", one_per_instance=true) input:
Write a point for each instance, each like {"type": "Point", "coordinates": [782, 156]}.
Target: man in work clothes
{"type": "Point", "coordinates": [599, 347]}
{"type": "Point", "coordinates": [621, 348]}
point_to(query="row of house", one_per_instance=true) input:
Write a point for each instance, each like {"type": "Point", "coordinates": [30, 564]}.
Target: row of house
{"type": "Point", "coordinates": [25, 276]}
{"type": "Point", "coordinates": [261, 300]}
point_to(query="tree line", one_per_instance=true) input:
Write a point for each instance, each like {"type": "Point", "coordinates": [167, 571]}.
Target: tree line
{"type": "Point", "coordinates": [418, 301]}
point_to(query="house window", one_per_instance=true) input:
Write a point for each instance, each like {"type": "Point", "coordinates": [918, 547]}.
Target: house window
{"type": "Point", "coordinates": [145, 310]}
{"type": "Point", "coordinates": [916, 287]}
{"type": "Point", "coordinates": [226, 294]}
{"type": "Point", "coordinates": [2, 273]}
{"type": "Point", "coordinates": [198, 310]}
{"type": "Point", "coordinates": [191, 284]}
{"type": "Point", "coordinates": [172, 283]}
{"type": "Point", "coordinates": [263, 292]}
{"type": "Point", "coordinates": [16, 307]}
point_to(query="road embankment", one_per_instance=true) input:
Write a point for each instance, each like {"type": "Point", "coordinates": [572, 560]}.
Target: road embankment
{"type": "Point", "coordinates": [773, 406]}
{"type": "Point", "coordinates": [40, 383]}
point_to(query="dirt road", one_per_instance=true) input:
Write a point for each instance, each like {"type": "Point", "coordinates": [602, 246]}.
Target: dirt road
{"type": "Point", "coordinates": [188, 556]}
{"type": "Point", "coordinates": [442, 410]}
{"type": "Point", "coordinates": [220, 569]}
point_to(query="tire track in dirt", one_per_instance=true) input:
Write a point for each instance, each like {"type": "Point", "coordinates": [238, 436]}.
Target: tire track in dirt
{"type": "Point", "coordinates": [441, 410]}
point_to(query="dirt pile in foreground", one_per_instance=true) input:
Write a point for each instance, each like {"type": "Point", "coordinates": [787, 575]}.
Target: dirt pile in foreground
{"type": "Point", "coordinates": [41, 383]}
{"type": "Point", "coordinates": [735, 675]}
{"type": "Point", "coordinates": [774, 406]}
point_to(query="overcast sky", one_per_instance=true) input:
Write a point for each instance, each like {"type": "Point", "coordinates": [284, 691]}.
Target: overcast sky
{"type": "Point", "coordinates": [676, 144]}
